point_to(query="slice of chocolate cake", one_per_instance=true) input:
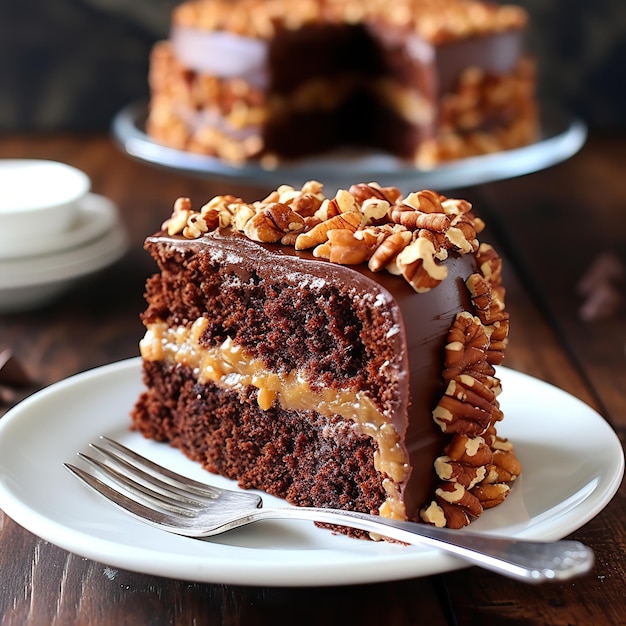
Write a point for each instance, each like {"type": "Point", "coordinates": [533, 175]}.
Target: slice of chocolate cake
{"type": "Point", "coordinates": [336, 352]}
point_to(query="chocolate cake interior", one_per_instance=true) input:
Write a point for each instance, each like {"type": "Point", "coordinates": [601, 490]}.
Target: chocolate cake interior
{"type": "Point", "coordinates": [330, 82]}
{"type": "Point", "coordinates": [295, 452]}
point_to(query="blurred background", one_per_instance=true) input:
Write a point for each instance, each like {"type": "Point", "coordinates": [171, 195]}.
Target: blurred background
{"type": "Point", "coordinates": [72, 64]}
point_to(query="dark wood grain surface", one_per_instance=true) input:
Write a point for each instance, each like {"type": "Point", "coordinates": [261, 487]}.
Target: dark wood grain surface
{"type": "Point", "coordinates": [551, 228]}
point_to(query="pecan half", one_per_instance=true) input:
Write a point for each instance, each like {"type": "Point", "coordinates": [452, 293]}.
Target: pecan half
{"type": "Point", "coordinates": [346, 249]}
{"type": "Point", "coordinates": [426, 201]}
{"type": "Point", "coordinates": [466, 407]}
{"type": "Point", "coordinates": [178, 220]}
{"type": "Point", "coordinates": [457, 472]}
{"type": "Point", "coordinates": [490, 495]}
{"type": "Point", "coordinates": [319, 233]}
{"type": "Point", "coordinates": [470, 450]}
{"type": "Point", "coordinates": [489, 309]}
{"type": "Point", "coordinates": [388, 250]}
{"type": "Point", "coordinates": [270, 224]}
{"type": "Point", "coordinates": [306, 204]}
{"type": "Point", "coordinates": [415, 220]}
{"type": "Point", "coordinates": [467, 346]}
{"type": "Point", "coordinates": [504, 468]}
{"type": "Point", "coordinates": [459, 505]}
{"type": "Point", "coordinates": [489, 263]}
{"type": "Point", "coordinates": [196, 226]}
{"type": "Point", "coordinates": [417, 263]}
{"type": "Point", "coordinates": [363, 191]}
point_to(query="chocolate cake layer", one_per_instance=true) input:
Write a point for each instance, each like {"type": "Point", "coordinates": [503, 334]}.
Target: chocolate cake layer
{"type": "Point", "coordinates": [306, 458]}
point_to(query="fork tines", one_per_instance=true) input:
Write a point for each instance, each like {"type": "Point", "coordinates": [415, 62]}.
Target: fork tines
{"type": "Point", "coordinates": [116, 451]}
{"type": "Point", "coordinates": [142, 480]}
{"type": "Point", "coordinates": [154, 493]}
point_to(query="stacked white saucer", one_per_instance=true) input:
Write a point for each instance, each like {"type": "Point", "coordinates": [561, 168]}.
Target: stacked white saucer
{"type": "Point", "coordinates": [53, 231]}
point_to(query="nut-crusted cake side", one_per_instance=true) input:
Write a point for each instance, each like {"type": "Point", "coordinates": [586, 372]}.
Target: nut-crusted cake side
{"type": "Point", "coordinates": [436, 20]}
{"type": "Point", "coordinates": [365, 326]}
{"type": "Point", "coordinates": [424, 80]}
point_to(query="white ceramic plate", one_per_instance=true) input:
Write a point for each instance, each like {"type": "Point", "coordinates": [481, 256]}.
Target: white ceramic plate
{"type": "Point", "coordinates": [95, 216]}
{"type": "Point", "coordinates": [34, 281]}
{"type": "Point", "coordinates": [561, 137]}
{"type": "Point", "coordinates": [573, 465]}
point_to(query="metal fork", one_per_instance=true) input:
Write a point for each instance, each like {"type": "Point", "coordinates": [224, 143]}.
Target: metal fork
{"type": "Point", "coordinates": [187, 507]}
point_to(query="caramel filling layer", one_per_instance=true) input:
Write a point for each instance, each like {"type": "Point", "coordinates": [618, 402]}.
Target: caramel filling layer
{"type": "Point", "coordinates": [228, 366]}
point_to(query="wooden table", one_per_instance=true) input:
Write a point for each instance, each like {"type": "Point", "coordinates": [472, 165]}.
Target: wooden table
{"type": "Point", "coordinates": [550, 226]}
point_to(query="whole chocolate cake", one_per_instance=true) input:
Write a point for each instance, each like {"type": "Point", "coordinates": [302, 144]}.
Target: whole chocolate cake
{"type": "Point", "coordinates": [335, 352]}
{"type": "Point", "coordinates": [425, 80]}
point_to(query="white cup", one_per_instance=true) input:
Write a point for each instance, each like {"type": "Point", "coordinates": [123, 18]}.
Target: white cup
{"type": "Point", "coordinates": [38, 198]}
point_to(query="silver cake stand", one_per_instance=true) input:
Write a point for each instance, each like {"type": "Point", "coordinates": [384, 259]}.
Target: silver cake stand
{"type": "Point", "coordinates": [561, 137]}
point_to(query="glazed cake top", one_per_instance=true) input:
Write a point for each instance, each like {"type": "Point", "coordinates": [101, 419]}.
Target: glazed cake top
{"type": "Point", "coordinates": [436, 21]}
{"type": "Point", "coordinates": [367, 224]}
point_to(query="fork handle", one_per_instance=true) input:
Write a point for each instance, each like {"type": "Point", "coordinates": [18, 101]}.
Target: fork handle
{"type": "Point", "coordinates": [529, 561]}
